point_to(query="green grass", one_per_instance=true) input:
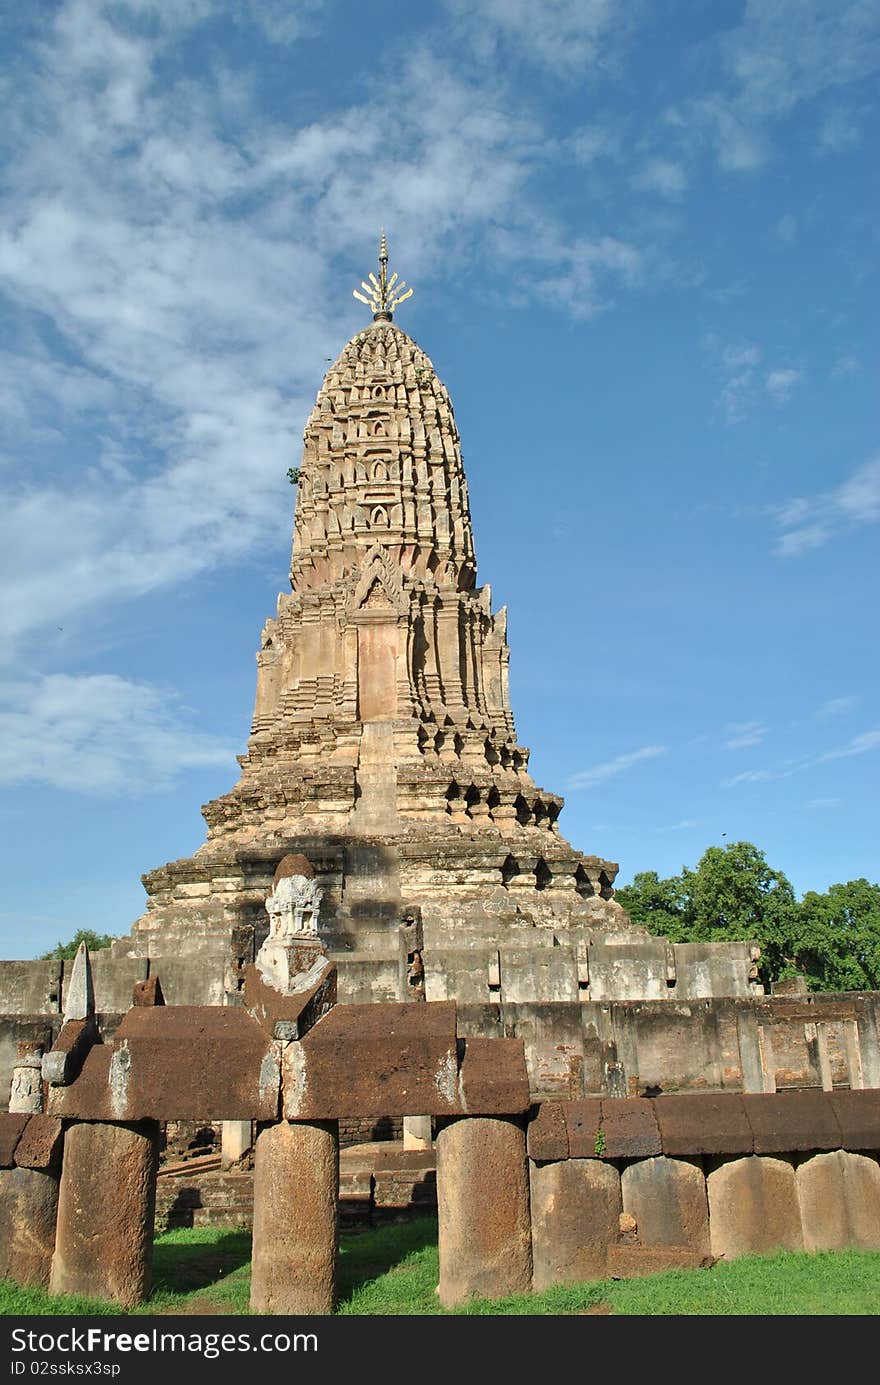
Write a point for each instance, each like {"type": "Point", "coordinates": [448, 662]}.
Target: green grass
{"type": "Point", "coordinates": [394, 1270]}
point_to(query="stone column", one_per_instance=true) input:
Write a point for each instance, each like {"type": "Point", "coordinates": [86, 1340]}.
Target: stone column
{"type": "Point", "coordinates": [483, 1207]}
{"type": "Point", "coordinates": [28, 1205]}
{"type": "Point", "coordinates": [417, 1132]}
{"type": "Point", "coordinates": [106, 1207]}
{"type": "Point", "coordinates": [236, 1138]}
{"type": "Point", "coordinates": [296, 1232]}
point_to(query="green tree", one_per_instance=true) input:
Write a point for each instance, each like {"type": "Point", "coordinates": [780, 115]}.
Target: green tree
{"type": "Point", "coordinates": [93, 941]}
{"type": "Point", "coordinates": [832, 939]}
{"type": "Point", "coordinates": [837, 943]}
{"type": "Point", "coordinates": [735, 896]}
{"type": "Point", "coordinates": [658, 905]}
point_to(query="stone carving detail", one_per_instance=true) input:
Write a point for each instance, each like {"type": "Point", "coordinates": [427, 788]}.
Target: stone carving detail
{"type": "Point", "coordinates": [293, 908]}
{"type": "Point", "coordinates": [415, 976]}
{"type": "Point", "coordinates": [26, 1088]}
{"type": "Point", "coordinates": [293, 953]}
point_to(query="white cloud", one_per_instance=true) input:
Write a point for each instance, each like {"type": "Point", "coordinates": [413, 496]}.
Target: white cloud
{"type": "Point", "coordinates": [804, 540]}
{"type": "Point", "coordinates": [755, 776]}
{"type": "Point", "coordinates": [684, 825]}
{"type": "Point", "coordinates": [824, 802]}
{"type": "Point", "coordinates": [837, 707]}
{"type": "Point", "coordinates": [780, 383]}
{"type": "Point", "coordinates": [663, 176]}
{"type": "Point", "coordinates": [576, 273]}
{"type": "Point", "coordinates": [840, 131]}
{"type": "Point", "coordinates": [810, 523]}
{"type": "Point", "coordinates": [782, 54]}
{"type": "Point", "coordinates": [744, 733]}
{"type": "Point", "coordinates": [737, 364]}
{"type": "Point", "coordinates": [787, 228]}
{"type": "Point", "coordinates": [739, 145]}
{"type": "Point", "coordinates": [566, 36]}
{"type": "Point", "coordinates": [594, 142]}
{"type": "Point", "coordinates": [845, 365]}
{"type": "Point", "coordinates": [859, 745]}
{"type": "Point", "coordinates": [746, 380]}
{"type": "Point", "coordinates": [99, 734]}
{"type": "Point", "coordinates": [611, 768]}
{"type": "Point", "coordinates": [186, 271]}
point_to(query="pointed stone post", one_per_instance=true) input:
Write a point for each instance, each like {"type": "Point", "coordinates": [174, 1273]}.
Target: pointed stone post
{"type": "Point", "coordinates": [107, 1195]}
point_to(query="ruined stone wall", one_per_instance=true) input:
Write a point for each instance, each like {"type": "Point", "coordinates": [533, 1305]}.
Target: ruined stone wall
{"type": "Point", "coordinates": [575, 1046]}
{"type": "Point", "coordinates": [628, 1187]}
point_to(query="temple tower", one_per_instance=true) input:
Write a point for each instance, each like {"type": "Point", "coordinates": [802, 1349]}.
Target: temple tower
{"type": "Point", "coordinates": [384, 674]}
{"type": "Point", "coordinates": [383, 749]}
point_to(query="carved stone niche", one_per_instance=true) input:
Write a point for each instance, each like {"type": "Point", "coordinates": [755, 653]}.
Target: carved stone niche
{"type": "Point", "coordinates": [293, 905]}
{"type": "Point", "coordinates": [295, 900]}
{"type": "Point", "coordinates": [26, 1089]}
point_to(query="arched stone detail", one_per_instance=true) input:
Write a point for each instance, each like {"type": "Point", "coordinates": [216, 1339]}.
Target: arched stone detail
{"type": "Point", "coordinates": [376, 569]}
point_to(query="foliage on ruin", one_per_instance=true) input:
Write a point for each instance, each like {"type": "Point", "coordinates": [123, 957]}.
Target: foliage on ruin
{"type": "Point", "coordinates": [833, 939]}
{"type": "Point", "coordinates": [64, 951]}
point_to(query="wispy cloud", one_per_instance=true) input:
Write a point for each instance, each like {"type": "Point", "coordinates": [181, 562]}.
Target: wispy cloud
{"type": "Point", "coordinates": [838, 707]}
{"type": "Point", "coordinates": [756, 776]}
{"type": "Point", "coordinates": [184, 270]}
{"type": "Point", "coordinates": [737, 364]}
{"type": "Point", "coordinates": [594, 142]}
{"type": "Point", "coordinates": [663, 176]}
{"type": "Point", "coordinates": [787, 228]}
{"type": "Point", "coordinates": [684, 825]}
{"type": "Point", "coordinates": [840, 131]}
{"type": "Point", "coordinates": [780, 383]}
{"type": "Point", "coordinates": [100, 734]}
{"type": "Point", "coordinates": [824, 802]}
{"type": "Point", "coordinates": [611, 768]}
{"type": "Point", "coordinates": [859, 745]}
{"type": "Point", "coordinates": [811, 522]}
{"type": "Point", "coordinates": [845, 366]}
{"type": "Point", "coordinates": [780, 56]}
{"type": "Point", "coordinates": [744, 733]}
{"type": "Point", "coordinates": [862, 744]}
{"type": "Point", "coordinates": [576, 273]}
{"type": "Point", "coordinates": [745, 377]}
{"type": "Point", "coordinates": [566, 36]}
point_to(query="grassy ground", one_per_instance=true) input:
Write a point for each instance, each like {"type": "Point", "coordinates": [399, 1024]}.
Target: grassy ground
{"type": "Point", "coordinates": [393, 1270]}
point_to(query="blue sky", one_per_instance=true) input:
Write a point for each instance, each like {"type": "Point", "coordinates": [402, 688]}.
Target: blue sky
{"type": "Point", "coordinates": [642, 238]}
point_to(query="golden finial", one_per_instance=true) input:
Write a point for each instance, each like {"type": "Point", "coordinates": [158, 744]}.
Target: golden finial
{"type": "Point", "coordinates": [383, 294]}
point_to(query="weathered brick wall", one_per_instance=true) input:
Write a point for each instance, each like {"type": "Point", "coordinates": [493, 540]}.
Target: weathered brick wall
{"type": "Point", "coordinates": [207, 1199]}
{"type": "Point", "coordinates": [359, 1131]}
{"type": "Point", "coordinates": [369, 1190]}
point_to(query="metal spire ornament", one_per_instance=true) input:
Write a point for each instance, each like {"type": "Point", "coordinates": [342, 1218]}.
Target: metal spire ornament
{"type": "Point", "coordinates": [383, 294]}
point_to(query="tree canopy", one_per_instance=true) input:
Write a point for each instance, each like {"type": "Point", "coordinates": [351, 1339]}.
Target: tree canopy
{"type": "Point", "coordinates": [93, 941]}
{"type": "Point", "coordinates": [832, 939]}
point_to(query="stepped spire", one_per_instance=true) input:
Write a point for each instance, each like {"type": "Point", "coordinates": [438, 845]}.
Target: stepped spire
{"type": "Point", "coordinates": [383, 294]}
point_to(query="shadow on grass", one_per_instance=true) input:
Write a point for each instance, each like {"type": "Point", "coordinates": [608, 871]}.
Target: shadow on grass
{"type": "Point", "coordinates": [180, 1268]}
{"type": "Point", "coordinates": [371, 1252]}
